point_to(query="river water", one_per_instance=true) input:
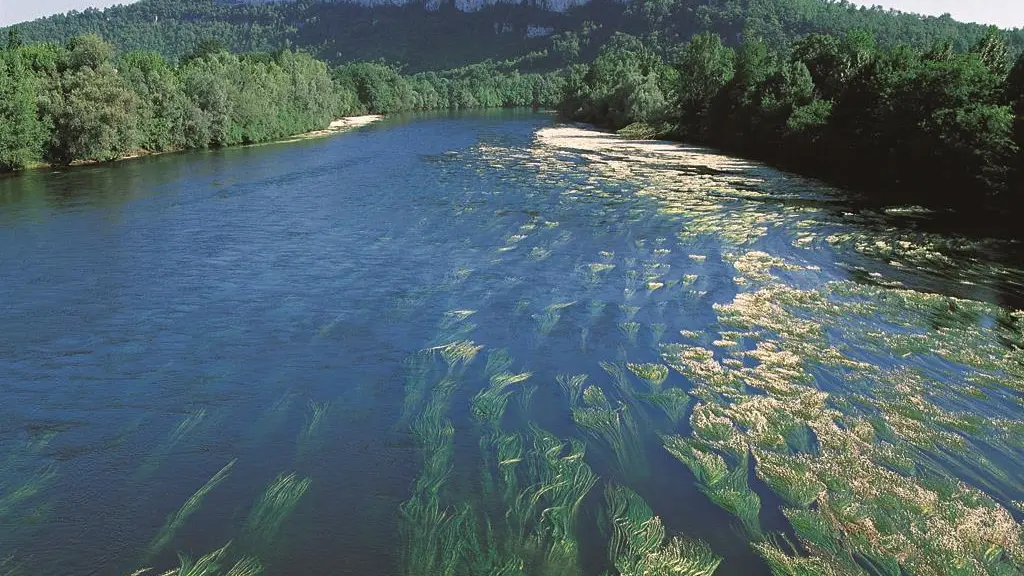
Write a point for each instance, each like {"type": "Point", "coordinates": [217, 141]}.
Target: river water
{"type": "Point", "coordinates": [491, 344]}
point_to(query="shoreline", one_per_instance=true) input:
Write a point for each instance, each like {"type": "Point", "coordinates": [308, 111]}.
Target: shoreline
{"type": "Point", "coordinates": [335, 127]}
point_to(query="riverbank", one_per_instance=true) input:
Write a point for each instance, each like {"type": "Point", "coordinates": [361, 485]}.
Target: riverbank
{"type": "Point", "coordinates": [336, 127]}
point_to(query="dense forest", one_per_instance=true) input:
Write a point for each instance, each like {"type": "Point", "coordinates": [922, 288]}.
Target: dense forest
{"type": "Point", "coordinates": [444, 38]}
{"type": "Point", "coordinates": [937, 127]}
{"type": "Point", "coordinates": [79, 101]}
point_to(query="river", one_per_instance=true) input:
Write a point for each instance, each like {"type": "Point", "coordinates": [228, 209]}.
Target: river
{"type": "Point", "coordinates": [492, 344]}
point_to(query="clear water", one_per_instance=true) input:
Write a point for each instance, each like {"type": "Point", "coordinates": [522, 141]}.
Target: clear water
{"type": "Point", "coordinates": [162, 318]}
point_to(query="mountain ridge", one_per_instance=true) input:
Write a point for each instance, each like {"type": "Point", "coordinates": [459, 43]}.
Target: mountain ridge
{"type": "Point", "coordinates": [443, 34]}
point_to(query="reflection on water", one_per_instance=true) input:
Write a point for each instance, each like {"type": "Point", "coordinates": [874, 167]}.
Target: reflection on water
{"type": "Point", "coordinates": [486, 345]}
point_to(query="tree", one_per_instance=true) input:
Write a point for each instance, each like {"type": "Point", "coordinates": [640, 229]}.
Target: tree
{"type": "Point", "coordinates": [14, 38]}
{"type": "Point", "coordinates": [21, 133]}
{"type": "Point", "coordinates": [93, 116]}
{"type": "Point", "coordinates": [161, 103]}
{"type": "Point", "coordinates": [705, 67]}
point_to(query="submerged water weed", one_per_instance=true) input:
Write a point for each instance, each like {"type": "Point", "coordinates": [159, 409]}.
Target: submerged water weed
{"type": "Point", "coordinates": [673, 402]}
{"type": "Point", "coordinates": [273, 507]}
{"type": "Point", "coordinates": [612, 428]}
{"type": "Point", "coordinates": [212, 564]}
{"type": "Point", "coordinates": [497, 361]}
{"type": "Point", "coordinates": [16, 494]}
{"type": "Point", "coordinates": [658, 332]}
{"type": "Point", "coordinates": [459, 354]}
{"type": "Point", "coordinates": [653, 374]}
{"type": "Point", "coordinates": [177, 520]}
{"type": "Point", "coordinates": [867, 389]}
{"type": "Point", "coordinates": [311, 431]}
{"type": "Point", "coordinates": [789, 477]}
{"type": "Point", "coordinates": [573, 385]}
{"type": "Point", "coordinates": [185, 428]}
{"type": "Point", "coordinates": [638, 545]}
{"type": "Point", "coordinates": [724, 484]}
{"type": "Point", "coordinates": [488, 406]}
{"type": "Point", "coordinates": [619, 377]}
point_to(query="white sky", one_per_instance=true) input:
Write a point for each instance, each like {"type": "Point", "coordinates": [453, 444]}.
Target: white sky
{"type": "Point", "coordinates": [1005, 13]}
{"type": "Point", "coordinates": [13, 11]}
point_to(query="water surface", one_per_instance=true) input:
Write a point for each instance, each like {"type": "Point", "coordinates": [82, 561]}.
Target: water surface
{"type": "Point", "coordinates": [388, 322]}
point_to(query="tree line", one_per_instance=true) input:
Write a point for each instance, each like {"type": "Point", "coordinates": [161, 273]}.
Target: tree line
{"type": "Point", "coordinates": [935, 126]}
{"type": "Point", "coordinates": [441, 37]}
{"type": "Point", "coordinates": [79, 101]}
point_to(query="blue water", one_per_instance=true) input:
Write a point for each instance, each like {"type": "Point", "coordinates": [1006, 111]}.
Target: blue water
{"type": "Point", "coordinates": [232, 288]}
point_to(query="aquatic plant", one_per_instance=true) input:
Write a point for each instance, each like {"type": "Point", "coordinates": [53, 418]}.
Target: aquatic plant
{"type": "Point", "coordinates": [187, 425]}
{"type": "Point", "coordinates": [673, 402]}
{"type": "Point", "coordinates": [654, 374]}
{"type": "Point", "coordinates": [191, 506]}
{"type": "Point", "coordinates": [638, 546]}
{"type": "Point", "coordinates": [17, 494]}
{"type": "Point", "coordinates": [618, 374]}
{"type": "Point", "coordinates": [317, 413]}
{"type": "Point", "coordinates": [459, 353]}
{"type": "Point", "coordinates": [274, 506]}
{"type": "Point", "coordinates": [212, 564]}
{"type": "Point", "coordinates": [658, 332]}
{"type": "Point", "coordinates": [613, 428]}
{"type": "Point", "coordinates": [631, 330]}
{"type": "Point", "coordinates": [723, 484]}
{"type": "Point", "coordinates": [791, 478]}
{"type": "Point", "coordinates": [497, 361]}
{"type": "Point", "coordinates": [629, 311]}
{"type": "Point", "coordinates": [573, 385]}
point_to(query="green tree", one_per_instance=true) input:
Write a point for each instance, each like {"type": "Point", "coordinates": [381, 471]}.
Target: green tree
{"type": "Point", "coordinates": [92, 113]}
{"type": "Point", "coordinates": [705, 67]}
{"type": "Point", "coordinates": [21, 133]}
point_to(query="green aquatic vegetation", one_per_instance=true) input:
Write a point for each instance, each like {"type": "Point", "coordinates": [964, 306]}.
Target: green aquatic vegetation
{"type": "Point", "coordinates": [629, 311]}
{"type": "Point", "coordinates": [311, 430]}
{"type": "Point", "coordinates": [538, 253]}
{"type": "Point", "coordinates": [274, 506]}
{"type": "Point", "coordinates": [561, 480]}
{"type": "Point", "coordinates": [630, 330]}
{"type": "Point", "coordinates": [497, 361]}
{"type": "Point", "coordinates": [723, 484]}
{"type": "Point", "coordinates": [619, 377]}
{"type": "Point", "coordinates": [573, 385]}
{"type": "Point", "coordinates": [638, 546]}
{"type": "Point", "coordinates": [417, 368]}
{"type": "Point", "coordinates": [212, 564]}
{"type": "Point", "coordinates": [187, 426]}
{"type": "Point", "coordinates": [191, 506]}
{"type": "Point", "coordinates": [707, 467]}
{"type": "Point", "coordinates": [525, 397]}
{"type": "Point", "coordinates": [673, 402]}
{"type": "Point", "coordinates": [488, 406]}
{"type": "Point", "coordinates": [654, 374]}
{"type": "Point", "coordinates": [547, 321]}
{"type": "Point", "coordinates": [791, 477]}
{"type": "Point", "coordinates": [613, 428]}
{"type": "Point", "coordinates": [15, 496]}
{"type": "Point", "coordinates": [784, 564]}
{"type": "Point", "coordinates": [459, 353]}
{"type": "Point", "coordinates": [658, 332]}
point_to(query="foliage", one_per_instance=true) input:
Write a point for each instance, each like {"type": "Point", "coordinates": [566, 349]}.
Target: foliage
{"type": "Point", "coordinates": [949, 121]}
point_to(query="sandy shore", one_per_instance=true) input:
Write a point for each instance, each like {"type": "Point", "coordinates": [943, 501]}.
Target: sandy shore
{"type": "Point", "coordinates": [339, 125]}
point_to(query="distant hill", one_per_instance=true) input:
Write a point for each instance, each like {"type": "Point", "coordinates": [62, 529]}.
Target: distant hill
{"type": "Point", "coordinates": [439, 34]}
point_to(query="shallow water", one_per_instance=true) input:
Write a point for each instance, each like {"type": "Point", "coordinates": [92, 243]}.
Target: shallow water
{"type": "Point", "coordinates": [294, 309]}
